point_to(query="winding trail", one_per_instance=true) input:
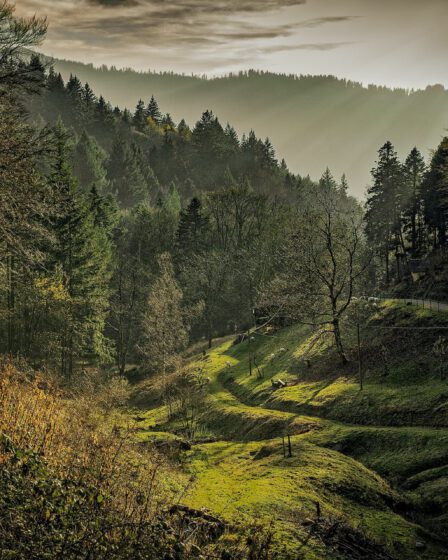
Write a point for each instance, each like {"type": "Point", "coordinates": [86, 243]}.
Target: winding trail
{"type": "Point", "coordinates": [260, 421]}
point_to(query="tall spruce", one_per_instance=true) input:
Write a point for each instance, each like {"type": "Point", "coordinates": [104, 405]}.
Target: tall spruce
{"type": "Point", "coordinates": [435, 193]}
{"type": "Point", "coordinates": [83, 251]}
{"type": "Point", "coordinates": [414, 170]}
{"type": "Point", "coordinates": [383, 209]}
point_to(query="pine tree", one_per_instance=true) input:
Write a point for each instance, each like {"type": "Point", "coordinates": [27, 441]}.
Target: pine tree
{"type": "Point", "coordinates": [153, 111]}
{"type": "Point", "coordinates": [209, 141]}
{"type": "Point", "coordinates": [88, 97]}
{"type": "Point", "coordinates": [232, 144]}
{"type": "Point", "coordinates": [139, 120]}
{"type": "Point", "coordinates": [269, 162]}
{"type": "Point", "coordinates": [435, 193]}
{"type": "Point", "coordinates": [73, 107]}
{"type": "Point", "coordinates": [36, 71]}
{"type": "Point", "coordinates": [55, 83]}
{"type": "Point", "coordinates": [74, 85]}
{"type": "Point", "coordinates": [343, 185]}
{"type": "Point", "coordinates": [327, 181]}
{"type": "Point", "coordinates": [414, 170]}
{"type": "Point", "coordinates": [124, 172]}
{"type": "Point", "coordinates": [83, 251]}
{"type": "Point", "coordinates": [184, 130]}
{"type": "Point", "coordinates": [383, 210]}
{"type": "Point", "coordinates": [191, 233]}
{"type": "Point", "coordinates": [103, 115]}
{"type": "Point", "coordinates": [126, 116]}
{"type": "Point", "coordinates": [89, 166]}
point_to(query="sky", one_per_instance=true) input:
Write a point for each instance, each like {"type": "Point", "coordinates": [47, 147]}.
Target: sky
{"type": "Point", "coordinates": [399, 43]}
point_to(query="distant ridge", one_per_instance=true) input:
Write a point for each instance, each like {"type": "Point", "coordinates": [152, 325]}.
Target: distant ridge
{"type": "Point", "coordinates": [313, 121]}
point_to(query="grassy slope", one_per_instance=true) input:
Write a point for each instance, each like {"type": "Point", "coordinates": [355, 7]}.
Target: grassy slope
{"type": "Point", "coordinates": [392, 427]}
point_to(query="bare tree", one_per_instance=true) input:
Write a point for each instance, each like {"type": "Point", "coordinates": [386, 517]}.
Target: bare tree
{"type": "Point", "coordinates": [323, 259]}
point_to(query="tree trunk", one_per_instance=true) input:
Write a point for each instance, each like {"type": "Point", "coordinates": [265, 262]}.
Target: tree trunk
{"type": "Point", "coordinates": [338, 341]}
{"type": "Point", "coordinates": [387, 267]}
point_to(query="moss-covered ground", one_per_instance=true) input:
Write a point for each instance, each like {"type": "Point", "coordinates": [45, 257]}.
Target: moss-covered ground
{"type": "Point", "coordinates": [376, 459]}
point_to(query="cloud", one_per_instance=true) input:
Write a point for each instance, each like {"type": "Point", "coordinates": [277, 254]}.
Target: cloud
{"type": "Point", "coordinates": [304, 47]}
{"type": "Point", "coordinates": [317, 22]}
{"type": "Point", "coordinates": [192, 7]}
{"type": "Point", "coordinates": [162, 31]}
{"type": "Point", "coordinates": [114, 3]}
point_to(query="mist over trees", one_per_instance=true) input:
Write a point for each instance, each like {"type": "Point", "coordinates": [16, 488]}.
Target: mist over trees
{"type": "Point", "coordinates": [311, 120]}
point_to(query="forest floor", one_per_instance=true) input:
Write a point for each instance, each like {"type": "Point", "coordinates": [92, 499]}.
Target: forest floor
{"type": "Point", "coordinates": [367, 466]}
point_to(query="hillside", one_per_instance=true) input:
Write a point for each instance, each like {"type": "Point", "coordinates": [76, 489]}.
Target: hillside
{"type": "Point", "coordinates": [310, 120]}
{"type": "Point", "coordinates": [367, 467]}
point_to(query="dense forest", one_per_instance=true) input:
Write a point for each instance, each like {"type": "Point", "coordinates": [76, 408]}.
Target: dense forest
{"type": "Point", "coordinates": [139, 199]}
{"type": "Point", "coordinates": [126, 239]}
{"type": "Point", "coordinates": [310, 119]}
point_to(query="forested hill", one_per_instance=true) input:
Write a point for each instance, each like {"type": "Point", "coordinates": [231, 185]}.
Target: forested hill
{"type": "Point", "coordinates": [309, 119]}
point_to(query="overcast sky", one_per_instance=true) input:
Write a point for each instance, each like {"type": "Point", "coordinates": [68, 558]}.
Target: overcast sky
{"type": "Point", "coordinates": [393, 42]}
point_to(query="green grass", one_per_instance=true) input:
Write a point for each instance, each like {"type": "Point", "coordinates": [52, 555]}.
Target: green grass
{"type": "Point", "coordinates": [342, 437]}
{"type": "Point", "coordinates": [247, 481]}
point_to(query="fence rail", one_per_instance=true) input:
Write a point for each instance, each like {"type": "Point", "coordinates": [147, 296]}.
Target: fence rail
{"type": "Point", "coordinates": [424, 303]}
{"type": "Point", "coordinates": [418, 302]}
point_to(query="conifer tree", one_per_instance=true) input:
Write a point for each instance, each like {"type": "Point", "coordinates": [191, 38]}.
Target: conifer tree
{"type": "Point", "coordinates": [343, 185]}
{"type": "Point", "coordinates": [88, 97]}
{"type": "Point", "coordinates": [383, 209]}
{"type": "Point", "coordinates": [73, 107]}
{"type": "Point", "coordinates": [36, 71]}
{"type": "Point", "coordinates": [83, 250]}
{"type": "Point", "coordinates": [191, 233]}
{"type": "Point", "coordinates": [435, 193]}
{"type": "Point", "coordinates": [153, 111]}
{"type": "Point", "coordinates": [414, 170]}
{"type": "Point", "coordinates": [184, 130]}
{"type": "Point", "coordinates": [139, 119]}
{"type": "Point", "coordinates": [103, 116]}
{"type": "Point", "coordinates": [89, 164]}
{"type": "Point", "coordinates": [124, 172]}
{"type": "Point", "coordinates": [327, 181]}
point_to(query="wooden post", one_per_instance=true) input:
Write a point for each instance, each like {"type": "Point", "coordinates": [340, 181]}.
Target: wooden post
{"type": "Point", "coordinates": [361, 380]}
{"type": "Point", "coordinates": [289, 446]}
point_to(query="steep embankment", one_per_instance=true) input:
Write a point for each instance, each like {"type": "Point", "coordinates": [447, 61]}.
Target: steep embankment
{"type": "Point", "coordinates": [373, 461]}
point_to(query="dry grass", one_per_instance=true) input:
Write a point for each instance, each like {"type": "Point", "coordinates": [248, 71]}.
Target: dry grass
{"type": "Point", "coordinates": [74, 485]}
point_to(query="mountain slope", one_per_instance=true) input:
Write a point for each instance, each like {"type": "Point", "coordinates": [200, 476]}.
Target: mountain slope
{"type": "Point", "coordinates": [312, 121]}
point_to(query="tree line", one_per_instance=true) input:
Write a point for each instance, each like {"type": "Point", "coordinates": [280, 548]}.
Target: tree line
{"type": "Point", "coordinates": [407, 212]}
{"type": "Point", "coordinates": [125, 236]}
{"type": "Point", "coordinates": [139, 154]}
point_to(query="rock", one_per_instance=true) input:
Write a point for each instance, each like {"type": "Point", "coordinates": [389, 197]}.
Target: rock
{"type": "Point", "coordinates": [419, 545]}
